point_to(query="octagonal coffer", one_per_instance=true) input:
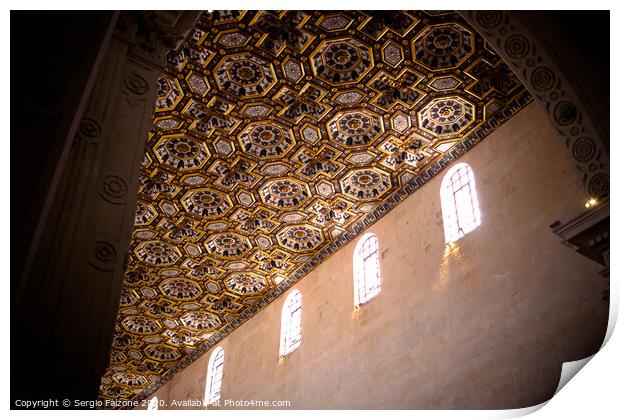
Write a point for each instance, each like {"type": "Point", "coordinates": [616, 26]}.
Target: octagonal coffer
{"type": "Point", "coordinates": [157, 253]}
{"type": "Point", "coordinates": [141, 325]}
{"type": "Point", "coordinates": [285, 192]}
{"type": "Point", "coordinates": [448, 116]}
{"type": "Point", "coordinates": [200, 320]}
{"type": "Point", "coordinates": [130, 379]}
{"type": "Point", "coordinates": [245, 75]}
{"type": "Point", "coordinates": [181, 152]}
{"type": "Point", "coordinates": [341, 61]}
{"type": "Point", "coordinates": [300, 238]}
{"type": "Point", "coordinates": [246, 283]}
{"type": "Point", "coordinates": [180, 288]}
{"type": "Point", "coordinates": [355, 128]}
{"type": "Point", "coordinates": [207, 203]}
{"type": "Point", "coordinates": [227, 245]}
{"type": "Point", "coordinates": [162, 352]}
{"type": "Point", "coordinates": [266, 139]}
{"type": "Point", "coordinates": [443, 46]}
{"type": "Point", "coordinates": [366, 183]}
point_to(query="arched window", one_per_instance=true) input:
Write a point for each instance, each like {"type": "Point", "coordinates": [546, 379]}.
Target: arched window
{"type": "Point", "coordinates": [459, 202]}
{"type": "Point", "coordinates": [366, 271]}
{"type": "Point", "coordinates": [214, 376]}
{"type": "Point", "coordinates": [153, 404]}
{"type": "Point", "coordinates": [290, 336]}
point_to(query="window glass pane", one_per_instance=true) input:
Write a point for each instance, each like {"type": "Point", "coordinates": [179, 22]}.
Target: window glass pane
{"type": "Point", "coordinates": [290, 335]}
{"type": "Point", "coordinates": [367, 276]}
{"type": "Point", "coordinates": [214, 376]}
{"type": "Point", "coordinates": [459, 204]}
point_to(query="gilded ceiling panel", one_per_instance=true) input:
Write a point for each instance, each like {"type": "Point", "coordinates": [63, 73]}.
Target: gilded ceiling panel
{"type": "Point", "coordinates": [277, 137]}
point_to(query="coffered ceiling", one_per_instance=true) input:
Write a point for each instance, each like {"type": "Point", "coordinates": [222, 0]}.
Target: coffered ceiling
{"type": "Point", "coordinates": [278, 137]}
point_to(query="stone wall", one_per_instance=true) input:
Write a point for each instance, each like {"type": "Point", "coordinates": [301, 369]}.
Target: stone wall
{"type": "Point", "coordinates": [484, 324]}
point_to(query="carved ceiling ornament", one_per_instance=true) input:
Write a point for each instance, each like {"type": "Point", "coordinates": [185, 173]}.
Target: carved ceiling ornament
{"type": "Point", "coordinates": [277, 138]}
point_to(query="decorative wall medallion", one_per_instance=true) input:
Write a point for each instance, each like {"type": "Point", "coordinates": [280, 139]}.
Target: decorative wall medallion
{"type": "Point", "coordinates": [542, 79]}
{"type": "Point", "coordinates": [565, 113]}
{"type": "Point", "coordinates": [490, 19]}
{"type": "Point", "coordinates": [584, 149]}
{"type": "Point", "coordinates": [517, 46]}
{"type": "Point", "coordinates": [113, 189]}
{"type": "Point", "coordinates": [136, 83]}
{"type": "Point", "coordinates": [90, 127]}
{"type": "Point", "coordinates": [104, 251]}
{"type": "Point", "coordinates": [103, 255]}
{"type": "Point", "coordinates": [599, 185]}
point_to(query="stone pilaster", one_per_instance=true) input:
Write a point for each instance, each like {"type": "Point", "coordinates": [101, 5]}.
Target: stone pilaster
{"type": "Point", "coordinates": [70, 298]}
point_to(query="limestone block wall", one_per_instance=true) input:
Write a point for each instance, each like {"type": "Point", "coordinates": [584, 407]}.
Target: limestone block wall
{"type": "Point", "coordinates": [484, 324]}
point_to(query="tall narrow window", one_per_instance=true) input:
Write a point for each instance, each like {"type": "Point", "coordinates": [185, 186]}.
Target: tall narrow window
{"type": "Point", "coordinates": [214, 376]}
{"type": "Point", "coordinates": [153, 404]}
{"type": "Point", "coordinates": [290, 336]}
{"type": "Point", "coordinates": [367, 274]}
{"type": "Point", "coordinates": [459, 202]}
